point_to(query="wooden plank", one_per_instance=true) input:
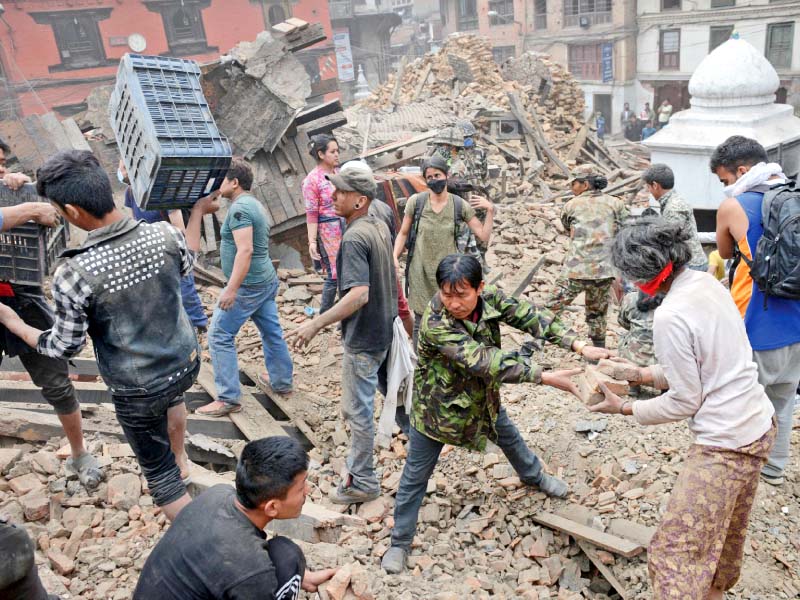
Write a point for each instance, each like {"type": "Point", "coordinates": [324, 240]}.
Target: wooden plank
{"type": "Point", "coordinates": [398, 82]}
{"type": "Point", "coordinates": [209, 235]}
{"type": "Point", "coordinates": [324, 124]}
{"type": "Point", "coordinates": [301, 142]}
{"type": "Point", "coordinates": [365, 143]}
{"type": "Point", "coordinates": [528, 278]}
{"type": "Point", "coordinates": [510, 153]}
{"type": "Point", "coordinates": [606, 541]}
{"type": "Point", "coordinates": [286, 405]}
{"type": "Point", "coordinates": [35, 426]}
{"type": "Point", "coordinates": [253, 420]}
{"type": "Point", "coordinates": [399, 156]}
{"type": "Point", "coordinates": [589, 551]}
{"type": "Point", "coordinates": [519, 113]}
{"type": "Point", "coordinates": [641, 534]}
{"type": "Point", "coordinates": [579, 142]}
{"type": "Point", "coordinates": [423, 80]}
{"type": "Point", "coordinates": [56, 132]}
{"type": "Point", "coordinates": [424, 137]}
{"type": "Point", "coordinates": [622, 184]}
{"type": "Point", "coordinates": [75, 135]}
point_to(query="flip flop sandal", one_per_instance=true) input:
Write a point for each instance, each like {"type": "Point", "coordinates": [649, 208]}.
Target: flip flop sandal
{"type": "Point", "coordinates": [220, 412]}
{"type": "Point", "coordinates": [86, 469]}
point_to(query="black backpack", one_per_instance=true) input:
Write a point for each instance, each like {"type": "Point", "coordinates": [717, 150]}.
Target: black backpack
{"type": "Point", "coordinates": [776, 267]}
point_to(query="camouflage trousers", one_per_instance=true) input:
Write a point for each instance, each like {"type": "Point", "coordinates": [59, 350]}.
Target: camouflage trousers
{"type": "Point", "coordinates": [597, 294]}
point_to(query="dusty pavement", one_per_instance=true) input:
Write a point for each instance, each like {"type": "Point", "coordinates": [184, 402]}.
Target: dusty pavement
{"type": "Point", "coordinates": [476, 537]}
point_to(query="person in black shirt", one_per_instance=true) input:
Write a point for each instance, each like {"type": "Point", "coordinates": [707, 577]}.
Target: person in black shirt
{"type": "Point", "coordinates": [217, 549]}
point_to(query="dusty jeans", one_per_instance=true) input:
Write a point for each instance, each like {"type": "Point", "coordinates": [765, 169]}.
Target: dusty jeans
{"type": "Point", "coordinates": [779, 373]}
{"type": "Point", "coordinates": [423, 454]}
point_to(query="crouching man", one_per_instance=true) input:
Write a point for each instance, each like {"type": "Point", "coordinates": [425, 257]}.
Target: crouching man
{"type": "Point", "coordinates": [457, 386]}
{"type": "Point", "coordinates": [122, 286]}
{"type": "Point", "coordinates": [217, 548]}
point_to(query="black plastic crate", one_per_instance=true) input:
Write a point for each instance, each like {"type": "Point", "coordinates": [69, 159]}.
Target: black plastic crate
{"type": "Point", "coordinates": [28, 252]}
{"type": "Point", "coordinates": [169, 142]}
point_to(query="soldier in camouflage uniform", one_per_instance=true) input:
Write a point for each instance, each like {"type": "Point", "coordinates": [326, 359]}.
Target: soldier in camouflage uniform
{"type": "Point", "coordinates": [636, 315]}
{"type": "Point", "coordinates": [457, 386]}
{"type": "Point", "coordinates": [592, 219]}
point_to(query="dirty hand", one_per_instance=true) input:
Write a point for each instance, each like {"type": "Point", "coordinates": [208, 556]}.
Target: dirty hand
{"type": "Point", "coordinates": [612, 405]}
{"type": "Point", "coordinates": [45, 214]}
{"type": "Point", "coordinates": [208, 204]}
{"type": "Point", "coordinates": [561, 380]}
{"type": "Point", "coordinates": [594, 353]}
{"type": "Point", "coordinates": [227, 299]}
{"type": "Point", "coordinates": [300, 337]}
{"type": "Point", "coordinates": [14, 181]}
{"type": "Point", "coordinates": [312, 250]}
{"type": "Point", "coordinates": [480, 202]}
{"type": "Point", "coordinates": [313, 579]}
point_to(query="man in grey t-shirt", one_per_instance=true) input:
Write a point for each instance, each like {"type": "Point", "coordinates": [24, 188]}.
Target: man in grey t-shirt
{"type": "Point", "coordinates": [367, 308]}
{"type": "Point", "coordinates": [660, 181]}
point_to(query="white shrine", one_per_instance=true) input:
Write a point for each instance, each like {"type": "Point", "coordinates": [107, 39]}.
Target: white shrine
{"type": "Point", "coordinates": [732, 93]}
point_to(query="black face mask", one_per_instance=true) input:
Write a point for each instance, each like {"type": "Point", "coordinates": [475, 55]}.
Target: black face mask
{"type": "Point", "coordinates": [437, 185]}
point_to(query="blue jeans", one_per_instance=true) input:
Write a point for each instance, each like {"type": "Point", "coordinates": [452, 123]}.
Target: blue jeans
{"type": "Point", "coordinates": [255, 302]}
{"type": "Point", "coordinates": [192, 303]}
{"type": "Point", "coordinates": [362, 374]}
{"type": "Point", "coordinates": [144, 422]}
{"type": "Point", "coordinates": [329, 289]}
{"type": "Point", "coordinates": [423, 454]}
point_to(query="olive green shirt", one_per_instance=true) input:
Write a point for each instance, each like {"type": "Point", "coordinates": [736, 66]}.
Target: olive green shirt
{"type": "Point", "coordinates": [435, 239]}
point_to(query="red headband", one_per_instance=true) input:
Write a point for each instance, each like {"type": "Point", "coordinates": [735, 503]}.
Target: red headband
{"type": "Point", "coordinates": [651, 287]}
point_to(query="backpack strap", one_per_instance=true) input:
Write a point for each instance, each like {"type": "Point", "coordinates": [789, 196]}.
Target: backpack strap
{"type": "Point", "coordinates": [420, 200]}
{"type": "Point", "coordinates": [458, 216]}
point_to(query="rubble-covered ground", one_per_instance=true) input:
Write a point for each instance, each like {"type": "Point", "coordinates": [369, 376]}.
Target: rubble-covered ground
{"type": "Point", "coordinates": [476, 537]}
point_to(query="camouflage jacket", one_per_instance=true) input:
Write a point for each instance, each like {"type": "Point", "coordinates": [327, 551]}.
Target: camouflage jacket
{"type": "Point", "coordinates": [636, 344]}
{"type": "Point", "coordinates": [470, 164]}
{"type": "Point", "coordinates": [677, 210]}
{"type": "Point", "coordinates": [593, 219]}
{"type": "Point", "coordinates": [461, 366]}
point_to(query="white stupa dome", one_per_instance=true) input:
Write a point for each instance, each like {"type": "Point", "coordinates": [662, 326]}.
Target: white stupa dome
{"type": "Point", "coordinates": [734, 74]}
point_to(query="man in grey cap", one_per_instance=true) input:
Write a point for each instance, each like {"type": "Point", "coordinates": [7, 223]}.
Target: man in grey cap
{"type": "Point", "coordinates": [367, 308]}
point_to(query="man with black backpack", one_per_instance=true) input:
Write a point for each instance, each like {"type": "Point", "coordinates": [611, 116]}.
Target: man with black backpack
{"type": "Point", "coordinates": [759, 226]}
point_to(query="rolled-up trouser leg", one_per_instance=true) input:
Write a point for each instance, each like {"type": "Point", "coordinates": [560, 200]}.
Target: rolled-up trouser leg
{"type": "Point", "coordinates": [52, 375]}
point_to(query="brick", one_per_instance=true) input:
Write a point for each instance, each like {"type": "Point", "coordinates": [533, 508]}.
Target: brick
{"type": "Point", "coordinates": [8, 456]}
{"type": "Point", "coordinates": [35, 505]}
{"type": "Point", "coordinates": [61, 564]}
{"type": "Point", "coordinates": [619, 370]}
{"type": "Point", "coordinates": [25, 483]}
{"type": "Point", "coordinates": [124, 491]}
{"type": "Point", "coordinates": [589, 386]}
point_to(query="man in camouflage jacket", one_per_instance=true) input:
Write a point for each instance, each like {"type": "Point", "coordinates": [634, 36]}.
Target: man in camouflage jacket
{"type": "Point", "coordinates": [592, 219]}
{"type": "Point", "coordinates": [457, 387]}
{"type": "Point", "coordinates": [636, 316]}
{"type": "Point", "coordinates": [660, 182]}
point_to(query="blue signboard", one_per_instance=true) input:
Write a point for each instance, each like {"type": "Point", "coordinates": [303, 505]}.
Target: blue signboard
{"type": "Point", "coordinates": [608, 62]}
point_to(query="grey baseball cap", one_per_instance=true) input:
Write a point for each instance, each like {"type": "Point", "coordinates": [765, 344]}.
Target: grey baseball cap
{"type": "Point", "coordinates": [355, 178]}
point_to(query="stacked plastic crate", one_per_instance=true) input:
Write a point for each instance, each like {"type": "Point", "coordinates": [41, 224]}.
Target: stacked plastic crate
{"type": "Point", "coordinates": [167, 137]}
{"type": "Point", "coordinates": [28, 252]}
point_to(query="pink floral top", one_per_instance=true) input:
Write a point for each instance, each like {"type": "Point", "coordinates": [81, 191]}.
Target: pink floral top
{"type": "Point", "coordinates": [318, 197]}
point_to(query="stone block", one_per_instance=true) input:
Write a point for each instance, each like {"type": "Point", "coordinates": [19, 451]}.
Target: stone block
{"type": "Point", "coordinates": [124, 491]}
{"type": "Point", "coordinates": [35, 505]}
{"type": "Point", "coordinates": [25, 483]}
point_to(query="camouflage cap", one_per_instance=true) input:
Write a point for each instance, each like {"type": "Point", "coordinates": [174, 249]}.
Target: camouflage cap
{"type": "Point", "coordinates": [582, 171]}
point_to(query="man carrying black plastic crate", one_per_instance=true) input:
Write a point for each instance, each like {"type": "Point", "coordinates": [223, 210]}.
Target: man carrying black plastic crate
{"type": "Point", "coordinates": [147, 357]}
{"type": "Point", "coordinates": [48, 373]}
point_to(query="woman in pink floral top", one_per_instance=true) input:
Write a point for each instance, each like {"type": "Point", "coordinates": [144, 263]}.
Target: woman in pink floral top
{"type": "Point", "coordinates": [325, 228]}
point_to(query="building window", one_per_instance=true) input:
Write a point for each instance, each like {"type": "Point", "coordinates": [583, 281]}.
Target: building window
{"type": "Point", "coordinates": [540, 14]}
{"type": "Point", "coordinates": [586, 61]}
{"type": "Point", "coordinates": [669, 58]}
{"type": "Point", "coordinates": [183, 24]}
{"type": "Point", "coordinates": [467, 15]}
{"type": "Point", "coordinates": [501, 53]}
{"type": "Point", "coordinates": [77, 34]}
{"type": "Point", "coordinates": [719, 35]}
{"type": "Point", "coordinates": [670, 4]}
{"type": "Point", "coordinates": [722, 3]}
{"type": "Point", "coordinates": [584, 13]}
{"type": "Point", "coordinates": [276, 14]}
{"type": "Point", "coordinates": [504, 10]}
{"type": "Point", "coordinates": [779, 44]}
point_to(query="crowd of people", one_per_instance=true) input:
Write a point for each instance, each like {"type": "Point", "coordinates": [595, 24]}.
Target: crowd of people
{"type": "Point", "coordinates": [726, 361]}
{"type": "Point", "coordinates": [640, 126]}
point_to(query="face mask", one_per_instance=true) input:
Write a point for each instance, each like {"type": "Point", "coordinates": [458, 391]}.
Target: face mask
{"type": "Point", "coordinates": [122, 179]}
{"type": "Point", "coordinates": [469, 143]}
{"type": "Point", "coordinates": [437, 185]}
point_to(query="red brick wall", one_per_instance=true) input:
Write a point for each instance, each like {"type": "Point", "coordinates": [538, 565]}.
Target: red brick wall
{"type": "Point", "coordinates": [29, 49]}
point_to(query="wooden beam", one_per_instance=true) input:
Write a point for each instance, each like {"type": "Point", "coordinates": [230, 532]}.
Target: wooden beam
{"type": "Point", "coordinates": [398, 83]}
{"type": "Point", "coordinates": [580, 141]}
{"type": "Point", "coordinates": [600, 539]}
{"type": "Point", "coordinates": [622, 184]}
{"type": "Point", "coordinates": [286, 405]}
{"type": "Point", "coordinates": [423, 80]}
{"type": "Point", "coordinates": [589, 551]}
{"type": "Point", "coordinates": [510, 153]}
{"type": "Point", "coordinates": [253, 420]}
{"type": "Point", "coordinates": [365, 142]}
{"type": "Point", "coordinates": [519, 113]}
